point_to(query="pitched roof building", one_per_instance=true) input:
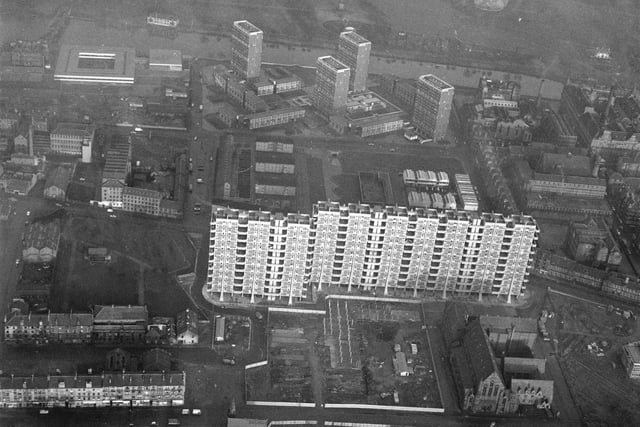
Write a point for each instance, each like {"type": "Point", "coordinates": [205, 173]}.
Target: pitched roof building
{"type": "Point", "coordinates": [187, 327]}
{"type": "Point", "coordinates": [509, 334]}
{"type": "Point", "coordinates": [57, 183]}
{"type": "Point", "coordinates": [476, 371]}
{"type": "Point", "coordinates": [72, 328]}
{"type": "Point", "coordinates": [156, 359]}
{"type": "Point", "coordinates": [40, 242]}
{"type": "Point", "coordinates": [590, 242]}
{"type": "Point", "coordinates": [119, 324]}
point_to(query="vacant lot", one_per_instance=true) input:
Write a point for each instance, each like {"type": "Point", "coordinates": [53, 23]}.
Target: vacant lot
{"type": "Point", "coordinates": [80, 285]}
{"type": "Point", "coordinates": [155, 243]}
{"type": "Point", "coordinates": [344, 167]}
{"type": "Point", "coordinates": [596, 377]}
{"type": "Point", "coordinates": [362, 339]}
{"type": "Point", "coordinates": [158, 152]}
{"type": "Point", "coordinates": [145, 253]}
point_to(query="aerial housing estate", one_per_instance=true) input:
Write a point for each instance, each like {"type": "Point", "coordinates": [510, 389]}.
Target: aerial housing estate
{"type": "Point", "coordinates": [247, 83]}
{"type": "Point", "coordinates": [357, 247]}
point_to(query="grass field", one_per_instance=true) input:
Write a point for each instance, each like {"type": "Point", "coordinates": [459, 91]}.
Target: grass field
{"type": "Point", "coordinates": [146, 248]}
{"type": "Point", "coordinates": [79, 285]}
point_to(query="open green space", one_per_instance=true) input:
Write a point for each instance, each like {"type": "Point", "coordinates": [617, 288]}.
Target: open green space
{"type": "Point", "coordinates": [142, 250]}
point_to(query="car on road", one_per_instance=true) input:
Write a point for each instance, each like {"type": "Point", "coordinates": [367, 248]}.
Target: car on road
{"type": "Point", "coordinates": [28, 213]}
{"type": "Point", "coordinates": [393, 150]}
{"type": "Point", "coordinates": [17, 261]}
{"type": "Point", "coordinates": [211, 158]}
{"type": "Point", "coordinates": [199, 180]}
{"type": "Point", "coordinates": [371, 144]}
{"type": "Point", "coordinates": [196, 412]}
{"type": "Point", "coordinates": [185, 412]}
{"type": "Point", "coordinates": [200, 168]}
{"type": "Point", "coordinates": [44, 411]}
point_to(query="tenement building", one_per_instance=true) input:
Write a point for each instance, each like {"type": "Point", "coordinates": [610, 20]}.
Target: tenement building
{"type": "Point", "coordinates": [117, 389]}
{"type": "Point", "coordinates": [369, 248]}
{"type": "Point", "coordinates": [72, 328]}
{"type": "Point", "coordinates": [75, 139]}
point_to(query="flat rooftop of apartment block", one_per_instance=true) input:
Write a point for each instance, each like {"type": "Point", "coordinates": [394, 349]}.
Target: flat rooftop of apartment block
{"type": "Point", "coordinates": [247, 27]}
{"type": "Point", "coordinates": [333, 63]}
{"type": "Point", "coordinates": [165, 57]}
{"type": "Point", "coordinates": [95, 64]}
{"type": "Point", "coordinates": [368, 105]}
{"type": "Point", "coordinates": [435, 81]}
{"type": "Point", "coordinates": [76, 129]}
{"type": "Point", "coordinates": [354, 37]}
{"type": "Point", "coordinates": [634, 351]}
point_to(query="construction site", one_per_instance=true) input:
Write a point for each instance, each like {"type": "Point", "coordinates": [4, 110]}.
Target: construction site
{"type": "Point", "coordinates": [355, 352]}
{"type": "Point", "coordinates": [291, 368]}
{"type": "Point", "coordinates": [379, 355]}
{"type": "Point", "coordinates": [590, 336]}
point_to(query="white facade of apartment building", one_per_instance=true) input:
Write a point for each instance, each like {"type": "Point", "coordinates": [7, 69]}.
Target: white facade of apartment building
{"type": "Point", "coordinates": [375, 249]}
{"type": "Point", "coordinates": [258, 254]}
